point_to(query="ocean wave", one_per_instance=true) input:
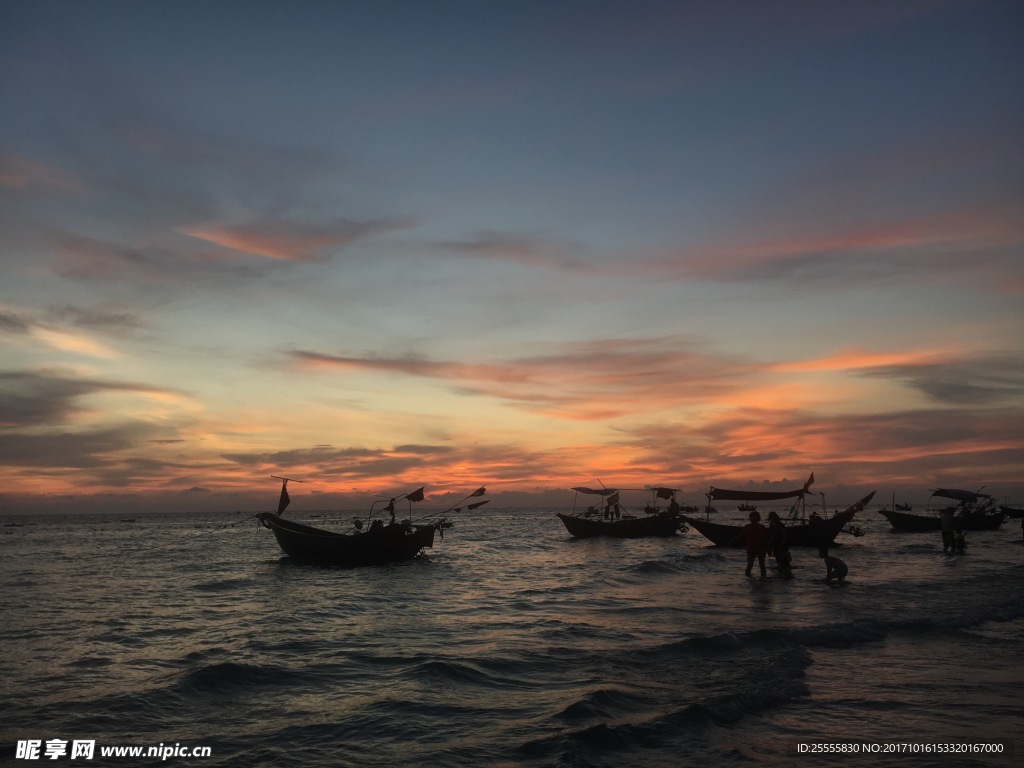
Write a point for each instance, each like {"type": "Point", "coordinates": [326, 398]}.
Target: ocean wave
{"type": "Point", "coordinates": [599, 703]}
{"type": "Point", "coordinates": [449, 672]}
{"type": "Point", "coordinates": [223, 585]}
{"type": "Point", "coordinates": [628, 727]}
{"type": "Point", "coordinates": [226, 676]}
{"type": "Point", "coordinates": [653, 567]}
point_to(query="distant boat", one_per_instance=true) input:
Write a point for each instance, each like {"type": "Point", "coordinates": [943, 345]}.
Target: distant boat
{"type": "Point", "coordinates": [382, 542]}
{"type": "Point", "coordinates": [744, 507]}
{"type": "Point", "coordinates": [614, 522]}
{"type": "Point", "coordinates": [973, 512]}
{"type": "Point", "coordinates": [902, 507]}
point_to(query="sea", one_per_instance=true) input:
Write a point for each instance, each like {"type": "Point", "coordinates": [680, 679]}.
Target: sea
{"type": "Point", "coordinates": [507, 644]}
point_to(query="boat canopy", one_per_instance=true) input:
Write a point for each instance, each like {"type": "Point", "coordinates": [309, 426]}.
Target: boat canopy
{"type": "Point", "coordinates": [958, 495]}
{"type": "Point", "coordinates": [721, 494]}
{"type": "Point", "coordinates": [597, 491]}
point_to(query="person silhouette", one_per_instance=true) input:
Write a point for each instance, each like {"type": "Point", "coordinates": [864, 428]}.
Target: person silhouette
{"type": "Point", "coordinates": [834, 567]}
{"type": "Point", "coordinates": [756, 537]}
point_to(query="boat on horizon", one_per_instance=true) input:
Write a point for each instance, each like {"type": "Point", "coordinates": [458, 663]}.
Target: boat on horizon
{"type": "Point", "coordinates": [815, 531]}
{"type": "Point", "coordinates": [381, 542]}
{"type": "Point", "coordinates": [612, 521]}
{"type": "Point", "coordinates": [973, 512]}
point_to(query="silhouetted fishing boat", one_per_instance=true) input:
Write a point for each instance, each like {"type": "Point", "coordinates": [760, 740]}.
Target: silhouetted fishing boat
{"type": "Point", "coordinates": [612, 521]}
{"type": "Point", "coordinates": [381, 542]}
{"type": "Point", "coordinates": [973, 513]}
{"type": "Point", "coordinates": [817, 531]}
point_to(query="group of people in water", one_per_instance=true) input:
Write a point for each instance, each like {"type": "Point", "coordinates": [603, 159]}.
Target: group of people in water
{"type": "Point", "coordinates": [772, 541]}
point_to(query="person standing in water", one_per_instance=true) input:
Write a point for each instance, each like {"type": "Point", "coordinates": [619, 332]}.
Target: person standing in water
{"type": "Point", "coordinates": [946, 518]}
{"type": "Point", "coordinates": [778, 545]}
{"type": "Point", "coordinates": [756, 537]}
{"type": "Point", "coordinates": [959, 539]}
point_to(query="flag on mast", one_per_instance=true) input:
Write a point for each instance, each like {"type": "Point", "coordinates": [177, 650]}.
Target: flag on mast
{"type": "Point", "coordinates": [285, 499]}
{"type": "Point", "coordinates": [416, 495]}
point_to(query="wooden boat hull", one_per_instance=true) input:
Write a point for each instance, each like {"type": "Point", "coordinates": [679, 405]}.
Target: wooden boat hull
{"type": "Point", "coordinates": [624, 528]}
{"type": "Point", "coordinates": [812, 534]}
{"type": "Point", "coordinates": [905, 523]}
{"type": "Point", "coordinates": [1013, 512]}
{"type": "Point", "coordinates": [383, 544]}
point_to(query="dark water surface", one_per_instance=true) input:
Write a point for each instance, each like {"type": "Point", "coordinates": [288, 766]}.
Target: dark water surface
{"type": "Point", "coordinates": [508, 645]}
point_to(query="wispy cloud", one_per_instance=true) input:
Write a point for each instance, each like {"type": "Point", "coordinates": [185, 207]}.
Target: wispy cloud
{"type": "Point", "coordinates": [858, 359]}
{"type": "Point", "coordinates": [90, 259]}
{"type": "Point", "coordinates": [905, 448]}
{"type": "Point", "coordinates": [290, 241]}
{"type": "Point", "coordinates": [22, 173]}
{"type": "Point", "coordinates": [919, 246]}
{"type": "Point", "coordinates": [520, 248]}
{"type": "Point", "coordinates": [52, 399]}
{"type": "Point", "coordinates": [55, 335]}
{"type": "Point", "coordinates": [593, 380]}
{"type": "Point", "coordinates": [67, 341]}
{"type": "Point", "coordinates": [975, 380]}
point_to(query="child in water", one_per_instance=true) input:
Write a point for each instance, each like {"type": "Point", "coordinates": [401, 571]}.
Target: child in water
{"type": "Point", "coordinates": [835, 568]}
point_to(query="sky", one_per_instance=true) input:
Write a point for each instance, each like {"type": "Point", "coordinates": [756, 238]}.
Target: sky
{"type": "Point", "coordinates": [527, 245]}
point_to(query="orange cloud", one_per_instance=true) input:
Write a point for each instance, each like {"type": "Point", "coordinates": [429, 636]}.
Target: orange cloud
{"type": "Point", "coordinates": [274, 245]}
{"type": "Point", "coordinates": [852, 359]}
{"type": "Point", "coordinates": [288, 241]}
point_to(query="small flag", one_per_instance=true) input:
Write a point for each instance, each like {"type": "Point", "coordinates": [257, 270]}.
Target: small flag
{"type": "Point", "coordinates": [478, 492]}
{"type": "Point", "coordinates": [810, 482]}
{"type": "Point", "coordinates": [285, 499]}
{"type": "Point", "coordinates": [416, 495]}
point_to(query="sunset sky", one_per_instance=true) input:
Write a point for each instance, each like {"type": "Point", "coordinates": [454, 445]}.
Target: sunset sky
{"type": "Point", "coordinates": [530, 245]}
